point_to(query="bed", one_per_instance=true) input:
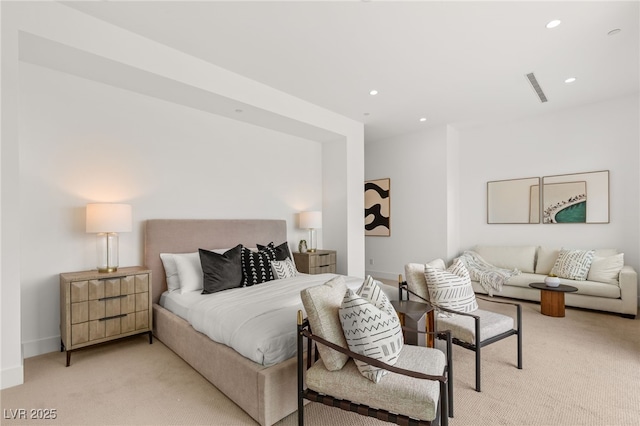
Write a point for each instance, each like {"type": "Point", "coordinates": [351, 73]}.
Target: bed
{"type": "Point", "coordinates": [267, 393]}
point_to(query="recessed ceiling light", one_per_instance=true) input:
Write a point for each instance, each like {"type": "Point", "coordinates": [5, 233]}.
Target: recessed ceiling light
{"type": "Point", "coordinates": [614, 31]}
{"type": "Point", "coordinates": [423, 119]}
{"type": "Point", "coordinates": [373, 92]}
{"type": "Point", "coordinates": [570, 80]}
{"type": "Point", "coordinates": [553, 24]}
{"type": "Point", "coordinates": [239, 111]}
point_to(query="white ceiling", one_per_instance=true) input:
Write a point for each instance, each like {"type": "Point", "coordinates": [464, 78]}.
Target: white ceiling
{"type": "Point", "coordinates": [452, 62]}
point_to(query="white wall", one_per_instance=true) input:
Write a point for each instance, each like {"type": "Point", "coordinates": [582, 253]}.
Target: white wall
{"type": "Point", "coordinates": [83, 141]}
{"type": "Point", "coordinates": [417, 167]}
{"type": "Point", "coordinates": [603, 136]}
{"type": "Point", "coordinates": [439, 208]}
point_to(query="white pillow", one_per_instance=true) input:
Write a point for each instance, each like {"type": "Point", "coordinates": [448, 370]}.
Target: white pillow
{"type": "Point", "coordinates": [371, 328]}
{"type": "Point", "coordinates": [606, 269]}
{"type": "Point", "coordinates": [451, 288]}
{"type": "Point", "coordinates": [283, 268]}
{"type": "Point", "coordinates": [171, 271]}
{"type": "Point", "coordinates": [573, 264]}
{"type": "Point", "coordinates": [190, 272]}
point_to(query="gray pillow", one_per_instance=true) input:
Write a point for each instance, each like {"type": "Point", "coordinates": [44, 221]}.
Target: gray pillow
{"type": "Point", "coordinates": [221, 271]}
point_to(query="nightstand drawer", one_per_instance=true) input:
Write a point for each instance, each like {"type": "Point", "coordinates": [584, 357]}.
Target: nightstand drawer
{"type": "Point", "coordinates": [320, 260]}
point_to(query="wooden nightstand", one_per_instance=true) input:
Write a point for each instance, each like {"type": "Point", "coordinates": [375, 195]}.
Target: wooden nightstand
{"type": "Point", "coordinates": [98, 307]}
{"type": "Point", "coordinates": [318, 262]}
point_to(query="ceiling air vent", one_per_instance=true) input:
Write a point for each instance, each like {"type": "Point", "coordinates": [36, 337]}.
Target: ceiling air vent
{"type": "Point", "coordinates": [536, 87]}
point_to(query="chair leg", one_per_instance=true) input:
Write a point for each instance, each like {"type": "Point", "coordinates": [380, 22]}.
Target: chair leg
{"type": "Point", "coordinates": [478, 346]}
{"type": "Point", "coordinates": [450, 375]}
{"type": "Point", "coordinates": [519, 338]}
{"type": "Point", "coordinates": [478, 365]}
{"type": "Point", "coordinates": [444, 410]}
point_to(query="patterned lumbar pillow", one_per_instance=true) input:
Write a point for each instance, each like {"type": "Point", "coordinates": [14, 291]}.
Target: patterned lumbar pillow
{"type": "Point", "coordinates": [371, 328]}
{"type": "Point", "coordinates": [283, 268]}
{"type": "Point", "coordinates": [451, 288]}
{"type": "Point", "coordinates": [573, 264]}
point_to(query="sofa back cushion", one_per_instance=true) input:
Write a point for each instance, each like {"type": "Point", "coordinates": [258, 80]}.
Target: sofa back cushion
{"type": "Point", "coordinates": [509, 257]}
{"type": "Point", "coordinates": [546, 259]}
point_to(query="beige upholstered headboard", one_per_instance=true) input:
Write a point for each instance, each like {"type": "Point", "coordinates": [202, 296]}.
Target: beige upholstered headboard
{"type": "Point", "coordinates": [188, 235]}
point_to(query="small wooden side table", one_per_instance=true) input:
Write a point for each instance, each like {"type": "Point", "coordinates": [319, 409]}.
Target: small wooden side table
{"type": "Point", "coordinates": [552, 298]}
{"type": "Point", "coordinates": [419, 316]}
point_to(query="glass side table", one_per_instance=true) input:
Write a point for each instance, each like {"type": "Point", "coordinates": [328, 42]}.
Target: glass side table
{"type": "Point", "coordinates": [419, 316]}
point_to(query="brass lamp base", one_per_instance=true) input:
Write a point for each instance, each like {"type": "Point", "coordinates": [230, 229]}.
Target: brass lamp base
{"type": "Point", "coordinates": [110, 269]}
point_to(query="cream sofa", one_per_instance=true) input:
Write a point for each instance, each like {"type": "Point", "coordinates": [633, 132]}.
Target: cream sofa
{"type": "Point", "coordinates": [604, 289]}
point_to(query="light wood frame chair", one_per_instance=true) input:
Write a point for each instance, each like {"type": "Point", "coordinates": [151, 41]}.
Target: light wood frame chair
{"type": "Point", "coordinates": [465, 327]}
{"type": "Point", "coordinates": [315, 382]}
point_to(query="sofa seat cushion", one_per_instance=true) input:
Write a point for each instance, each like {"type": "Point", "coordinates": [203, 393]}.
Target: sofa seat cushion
{"type": "Point", "coordinates": [464, 327]}
{"type": "Point", "coordinates": [587, 288]}
{"type": "Point", "coordinates": [521, 258]}
{"type": "Point", "coordinates": [523, 280]}
{"type": "Point", "coordinates": [593, 288]}
{"type": "Point", "coordinates": [413, 397]}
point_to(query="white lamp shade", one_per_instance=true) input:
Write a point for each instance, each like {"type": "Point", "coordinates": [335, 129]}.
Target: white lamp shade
{"type": "Point", "coordinates": [311, 220]}
{"type": "Point", "coordinates": [107, 217]}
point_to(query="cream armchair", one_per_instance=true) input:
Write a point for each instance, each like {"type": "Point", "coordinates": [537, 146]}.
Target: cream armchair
{"type": "Point", "coordinates": [415, 390]}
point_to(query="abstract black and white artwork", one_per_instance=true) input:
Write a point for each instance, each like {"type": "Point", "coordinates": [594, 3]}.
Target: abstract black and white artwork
{"type": "Point", "coordinates": [377, 206]}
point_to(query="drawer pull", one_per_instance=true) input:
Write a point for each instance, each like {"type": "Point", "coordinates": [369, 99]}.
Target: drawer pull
{"type": "Point", "coordinates": [112, 317]}
{"type": "Point", "coordinates": [112, 297]}
{"type": "Point", "coordinates": [111, 278]}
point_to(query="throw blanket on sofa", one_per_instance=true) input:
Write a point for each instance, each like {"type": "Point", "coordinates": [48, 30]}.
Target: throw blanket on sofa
{"type": "Point", "coordinates": [490, 277]}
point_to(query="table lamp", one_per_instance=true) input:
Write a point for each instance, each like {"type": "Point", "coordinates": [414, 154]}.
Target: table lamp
{"type": "Point", "coordinates": [311, 221]}
{"type": "Point", "coordinates": [107, 220]}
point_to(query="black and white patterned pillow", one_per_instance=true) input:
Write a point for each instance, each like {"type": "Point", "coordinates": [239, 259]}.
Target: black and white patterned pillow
{"type": "Point", "coordinates": [279, 252]}
{"type": "Point", "coordinates": [451, 288]}
{"type": "Point", "coordinates": [283, 269]}
{"type": "Point", "coordinates": [371, 331]}
{"type": "Point", "coordinates": [573, 264]}
{"type": "Point", "coordinates": [256, 267]}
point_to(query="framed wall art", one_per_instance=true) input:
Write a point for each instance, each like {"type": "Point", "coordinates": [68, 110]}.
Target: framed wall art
{"type": "Point", "coordinates": [513, 201]}
{"type": "Point", "coordinates": [377, 207]}
{"type": "Point", "coordinates": [576, 198]}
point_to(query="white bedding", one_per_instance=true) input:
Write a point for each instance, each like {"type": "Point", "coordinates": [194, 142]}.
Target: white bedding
{"type": "Point", "coordinates": [259, 322]}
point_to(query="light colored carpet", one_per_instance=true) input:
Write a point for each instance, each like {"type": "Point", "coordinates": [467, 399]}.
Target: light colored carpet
{"type": "Point", "coordinates": [583, 369]}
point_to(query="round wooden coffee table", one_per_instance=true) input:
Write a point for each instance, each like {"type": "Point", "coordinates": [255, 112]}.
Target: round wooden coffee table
{"type": "Point", "coordinates": [552, 298]}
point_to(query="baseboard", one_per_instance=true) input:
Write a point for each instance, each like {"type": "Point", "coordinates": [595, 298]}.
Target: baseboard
{"type": "Point", "coordinates": [41, 346]}
{"type": "Point", "coordinates": [383, 275]}
{"type": "Point", "coordinates": [11, 377]}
